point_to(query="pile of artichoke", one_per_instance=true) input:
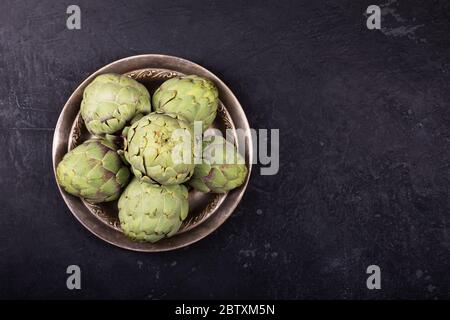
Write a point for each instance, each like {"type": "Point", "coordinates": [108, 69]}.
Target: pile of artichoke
{"type": "Point", "coordinates": [131, 157]}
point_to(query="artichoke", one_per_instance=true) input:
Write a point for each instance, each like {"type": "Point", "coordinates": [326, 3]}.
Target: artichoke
{"type": "Point", "coordinates": [93, 171]}
{"type": "Point", "coordinates": [150, 212]}
{"type": "Point", "coordinates": [152, 144]}
{"type": "Point", "coordinates": [111, 101]}
{"type": "Point", "coordinates": [222, 168]}
{"type": "Point", "coordinates": [193, 97]}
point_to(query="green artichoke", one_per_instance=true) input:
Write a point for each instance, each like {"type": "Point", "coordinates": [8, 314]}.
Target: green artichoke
{"type": "Point", "coordinates": [222, 168]}
{"type": "Point", "coordinates": [111, 101]}
{"type": "Point", "coordinates": [150, 212]}
{"type": "Point", "coordinates": [153, 142]}
{"type": "Point", "coordinates": [93, 171]}
{"type": "Point", "coordinates": [193, 97]}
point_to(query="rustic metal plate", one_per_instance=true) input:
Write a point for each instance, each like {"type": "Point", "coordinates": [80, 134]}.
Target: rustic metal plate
{"type": "Point", "coordinates": [206, 211]}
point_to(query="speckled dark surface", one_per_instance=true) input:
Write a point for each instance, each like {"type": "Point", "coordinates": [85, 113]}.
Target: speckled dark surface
{"type": "Point", "coordinates": [364, 123]}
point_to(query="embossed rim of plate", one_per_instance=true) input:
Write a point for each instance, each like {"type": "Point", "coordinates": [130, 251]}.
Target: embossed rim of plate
{"type": "Point", "coordinates": [104, 232]}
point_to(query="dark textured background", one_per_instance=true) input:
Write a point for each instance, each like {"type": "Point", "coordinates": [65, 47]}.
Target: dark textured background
{"type": "Point", "coordinates": [364, 125]}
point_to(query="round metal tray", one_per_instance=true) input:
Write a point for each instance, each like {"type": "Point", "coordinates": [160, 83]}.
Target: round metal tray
{"type": "Point", "coordinates": [207, 211]}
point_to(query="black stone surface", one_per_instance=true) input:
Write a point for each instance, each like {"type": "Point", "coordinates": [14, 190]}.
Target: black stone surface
{"type": "Point", "coordinates": [364, 123]}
